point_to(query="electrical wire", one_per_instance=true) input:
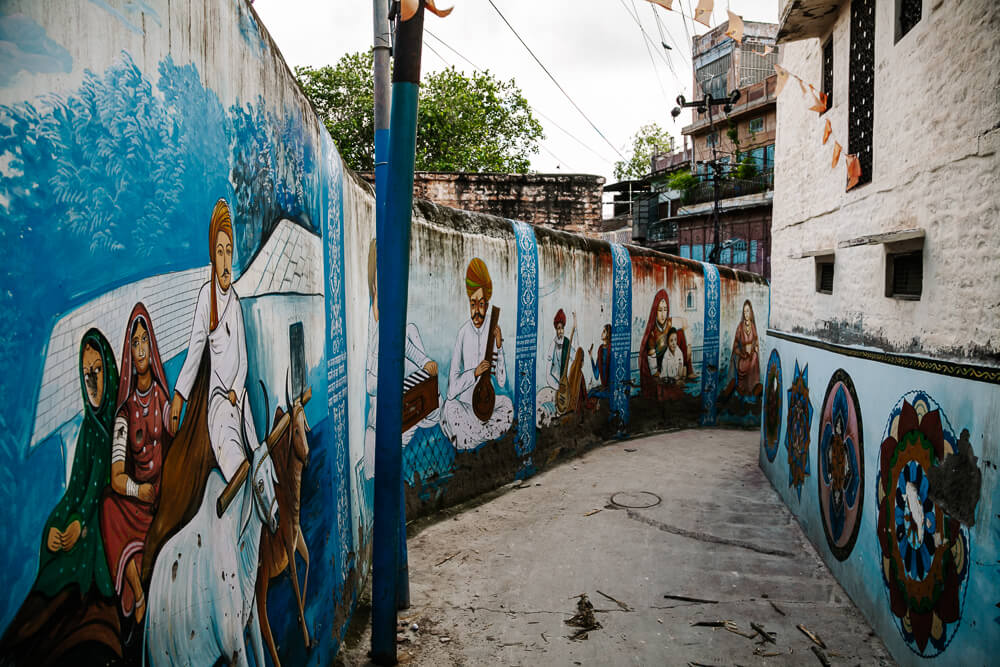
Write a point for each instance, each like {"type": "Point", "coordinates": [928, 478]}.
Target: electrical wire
{"type": "Point", "coordinates": [533, 108]}
{"type": "Point", "coordinates": [645, 42]}
{"type": "Point", "coordinates": [561, 89]}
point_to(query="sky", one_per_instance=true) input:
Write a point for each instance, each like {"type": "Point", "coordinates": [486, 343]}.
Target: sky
{"type": "Point", "coordinates": [593, 48]}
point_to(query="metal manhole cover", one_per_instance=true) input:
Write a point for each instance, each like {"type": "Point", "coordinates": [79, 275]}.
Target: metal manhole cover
{"type": "Point", "coordinates": [635, 500]}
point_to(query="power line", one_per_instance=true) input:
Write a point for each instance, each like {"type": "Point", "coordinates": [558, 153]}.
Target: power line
{"type": "Point", "coordinates": [561, 89]}
{"type": "Point", "coordinates": [652, 62]}
{"type": "Point", "coordinates": [533, 108]}
{"type": "Point", "coordinates": [449, 64]}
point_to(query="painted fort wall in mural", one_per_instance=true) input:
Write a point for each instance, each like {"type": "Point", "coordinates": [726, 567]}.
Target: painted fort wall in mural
{"type": "Point", "coordinates": [889, 464]}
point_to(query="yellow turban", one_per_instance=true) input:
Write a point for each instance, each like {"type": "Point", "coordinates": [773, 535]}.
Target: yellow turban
{"type": "Point", "coordinates": [221, 222]}
{"type": "Point", "coordinates": [476, 276]}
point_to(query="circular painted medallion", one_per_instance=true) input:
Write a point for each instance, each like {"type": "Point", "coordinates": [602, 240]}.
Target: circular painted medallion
{"type": "Point", "coordinates": [771, 428]}
{"type": "Point", "coordinates": [800, 414]}
{"type": "Point", "coordinates": [925, 551]}
{"type": "Point", "coordinates": [841, 465]}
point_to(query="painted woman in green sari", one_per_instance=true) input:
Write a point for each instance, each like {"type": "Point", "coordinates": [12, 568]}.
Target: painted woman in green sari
{"type": "Point", "coordinates": [68, 605]}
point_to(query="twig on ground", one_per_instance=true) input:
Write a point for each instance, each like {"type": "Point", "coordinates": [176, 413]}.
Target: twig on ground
{"type": "Point", "coordinates": [811, 635]}
{"type": "Point", "coordinates": [621, 604]}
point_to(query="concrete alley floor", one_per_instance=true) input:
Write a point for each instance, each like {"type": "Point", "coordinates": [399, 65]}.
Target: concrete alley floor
{"type": "Point", "coordinates": [685, 514]}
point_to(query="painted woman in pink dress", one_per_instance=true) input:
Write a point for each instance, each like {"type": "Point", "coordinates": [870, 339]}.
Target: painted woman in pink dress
{"type": "Point", "coordinates": [139, 446]}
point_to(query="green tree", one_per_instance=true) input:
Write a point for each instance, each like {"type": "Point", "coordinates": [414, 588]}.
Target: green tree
{"type": "Point", "coordinates": [651, 139]}
{"type": "Point", "coordinates": [464, 123]}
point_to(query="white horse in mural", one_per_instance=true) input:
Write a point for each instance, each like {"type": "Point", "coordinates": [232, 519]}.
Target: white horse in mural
{"type": "Point", "coordinates": [201, 595]}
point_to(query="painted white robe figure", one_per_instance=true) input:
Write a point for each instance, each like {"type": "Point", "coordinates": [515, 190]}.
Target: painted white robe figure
{"type": "Point", "coordinates": [228, 356]}
{"type": "Point", "coordinates": [458, 421]}
{"type": "Point", "coordinates": [414, 359]}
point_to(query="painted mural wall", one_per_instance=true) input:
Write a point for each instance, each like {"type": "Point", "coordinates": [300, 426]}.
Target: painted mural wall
{"type": "Point", "coordinates": [889, 462]}
{"type": "Point", "coordinates": [190, 315]}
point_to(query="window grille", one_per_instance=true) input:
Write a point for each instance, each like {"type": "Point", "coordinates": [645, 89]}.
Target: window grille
{"type": "Point", "coordinates": [754, 66]}
{"type": "Point", "coordinates": [712, 139]}
{"type": "Point", "coordinates": [907, 274]}
{"type": "Point", "coordinates": [757, 125]}
{"type": "Point", "coordinates": [907, 15]}
{"type": "Point", "coordinates": [712, 78]}
{"type": "Point", "coordinates": [861, 103]}
{"type": "Point", "coordinates": [828, 71]}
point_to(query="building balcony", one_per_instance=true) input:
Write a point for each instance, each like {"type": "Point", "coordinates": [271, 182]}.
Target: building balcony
{"type": "Point", "coordinates": [662, 231]}
{"type": "Point", "coordinates": [730, 188]}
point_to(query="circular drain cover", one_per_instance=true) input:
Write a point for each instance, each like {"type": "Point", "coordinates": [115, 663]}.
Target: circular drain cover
{"type": "Point", "coordinates": [636, 500]}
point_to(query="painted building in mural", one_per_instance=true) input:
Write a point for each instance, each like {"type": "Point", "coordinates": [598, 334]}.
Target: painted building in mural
{"type": "Point", "coordinates": [190, 317]}
{"type": "Point", "coordinates": [882, 385]}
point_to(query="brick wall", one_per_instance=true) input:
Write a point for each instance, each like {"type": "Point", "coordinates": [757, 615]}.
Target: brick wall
{"type": "Point", "coordinates": [570, 202]}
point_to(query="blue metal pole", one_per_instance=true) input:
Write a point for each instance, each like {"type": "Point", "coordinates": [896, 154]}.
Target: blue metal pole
{"type": "Point", "coordinates": [393, 264]}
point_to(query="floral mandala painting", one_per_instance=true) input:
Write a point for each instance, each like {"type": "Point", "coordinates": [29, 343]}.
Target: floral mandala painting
{"type": "Point", "coordinates": [925, 551]}
{"type": "Point", "coordinates": [800, 412]}
{"type": "Point", "coordinates": [772, 407]}
{"type": "Point", "coordinates": [841, 465]}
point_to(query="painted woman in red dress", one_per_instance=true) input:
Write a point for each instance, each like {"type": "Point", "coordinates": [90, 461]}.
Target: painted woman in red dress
{"type": "Point", "coordinates": [746, 353]}
{"type": "Point", "coordinates": [139, 446]}
{"type": "Point", "coordinates": [654, 347]}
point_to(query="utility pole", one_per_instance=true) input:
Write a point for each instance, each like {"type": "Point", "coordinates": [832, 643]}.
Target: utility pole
{"type": "Point", "coordinates": [393, 267]}
{"type": "Point", "coordinates": [703, 105]}
{"type": "Point", "coordinates": [382, 51]}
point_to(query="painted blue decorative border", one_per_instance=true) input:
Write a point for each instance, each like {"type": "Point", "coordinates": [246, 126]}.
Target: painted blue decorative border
{"type": "Point", "coordinates": [336, 350]}
{"type": "Point", "coordinates": [527, 346]}
{"type": "Point", "coordinates": [621, 334]}
{"type": "Point", "coordinates": [710, 351]}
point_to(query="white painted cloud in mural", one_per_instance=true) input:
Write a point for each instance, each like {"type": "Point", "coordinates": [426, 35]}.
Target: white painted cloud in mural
{"type": "Point", "coordinates": [25, 47]}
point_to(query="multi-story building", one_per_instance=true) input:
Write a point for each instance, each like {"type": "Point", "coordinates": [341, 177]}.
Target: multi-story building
{"type": "Point", "coordinates": [882, 362]}
{"type": "Point", "coordinates": [734, 148]}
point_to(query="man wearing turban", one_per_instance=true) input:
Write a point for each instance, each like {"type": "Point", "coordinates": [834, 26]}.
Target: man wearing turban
{"type": "Point", "coordinates": [557, 362]}
{"type": "Point", "coordinates": [218, 323]}
{"type": "Point", "coordinates": [459, 422]}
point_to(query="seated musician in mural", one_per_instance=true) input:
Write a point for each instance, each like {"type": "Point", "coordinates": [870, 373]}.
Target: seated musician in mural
{"type": "Point", "coordinates": [601, 367]}
{"type": "Point", "coordinates": [468, 362]}
{"type": "Point", "coordinates": [654, 380]}
{"type": "Point", "coordinates": [138, 447]}
{"type": "Point", "coordinates": [72, 599]}
{"type": "Point", "coordinates": [414, 359]}
{"type": "Point", "coordinates": [564, 388]}
{"type": "Point", "coordinates": [745, 359]}
{"type": "Point", "coordinates": [211, 382]}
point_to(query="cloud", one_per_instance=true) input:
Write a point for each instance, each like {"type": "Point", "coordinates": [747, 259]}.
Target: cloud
{"type": "Point", "coordinates": [24, 45]}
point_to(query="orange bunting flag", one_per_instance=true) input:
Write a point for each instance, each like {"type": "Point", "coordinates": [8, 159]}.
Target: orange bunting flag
{"type": "Point", "coordinates": [768, 49]}
{"type": "Point", "coordinates": [819, 102]}
{"type": "Point", "coordinates": [836, 154]}
{"type": "Point", "coordinates": [409, 7]}
{"type": "Point", "coordinates": [853, 171]}
{"type": "Point", "coordinates": [703, 12]}
{"type": "Point", "coordinates": [735, 30]}
{"type": "Point", "coordinates": [666, 4]}
{"type": "Point", "coordinates": [802, 84]}
{"type": "Point", "coordinates": [827, 131]}
{"type": "Point", "coordinates": [782, 78]}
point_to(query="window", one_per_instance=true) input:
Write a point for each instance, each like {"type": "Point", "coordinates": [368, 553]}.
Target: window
{"type": "Point", "coordinates": [907, 15]}
{"type": "Point", "coordinates": [754, 65]}
{"type": "Point", "coordinates": [756, 125]}
{"type": "Point", "coordinates": [689, 300]}
{"type": "Point", "coordinates": [828, 71]}
{"type": "Point", "coordinates": [824, 274]}
{"type": "Point", "coordinates": [685, 251]}
{"type": "Point", "coordinates": [861, 91]}
{"type": "Point", "coordinates": [904, 274]}
{"type": "Point", "coordinates": [712, 139]}
{"type": "Point", "coordinates": [769, 157]}
{"type": "Point", "coordinates": [712, 77]}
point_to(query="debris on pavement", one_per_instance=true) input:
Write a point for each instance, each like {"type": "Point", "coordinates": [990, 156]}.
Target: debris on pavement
{"type": "Point", "coordinates": [631, 449]}
{"type": "Point", "coordinates": [811, 635]}
{"type": "Point", "coordinates": [777, 608]}
{"type": "Point", "coordinates": [709, 624]}
{"type": "Point", "coordinates": [442, 562]}
{"type": "Point", "coordinates": [584, 618]}
{"type": "Point", "coordinates": [684, 598]}
{"type": "Point", "coordinates": [735, 629]}
{"type": "Point", "coordinates": [820, 656]}
{"type": "Point", "coordinates": [444, 640]}
{"type": "Point", "coordinates": [592, 512]}
{"type": "Point", "coordinates": [762, 632]}
{"type": "Point", "coordinates": [621, 604]}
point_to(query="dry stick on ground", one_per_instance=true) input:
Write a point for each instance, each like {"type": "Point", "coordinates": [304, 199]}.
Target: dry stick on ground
{"type": "Point", "coordinates": [621, 604]}
{"type": "Point", "coordinates": [762, 632]}
{"type": "Point", "coordinates": [447, 559]}
{"type": "Point", "coordinates": [732, 627]}
{"type": "Point", "coordinates": [709, 624]}
{"type": "Point", "coordinates": [819, 654]}
{"type": "Point", "coordinates": [811, 635]}
{"type": "Point", "coordinates": [684, 598]}
{"type": "Point", "coordinates": [584, 618]}
{"type": "Point", "coordinates": [777, 609]}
